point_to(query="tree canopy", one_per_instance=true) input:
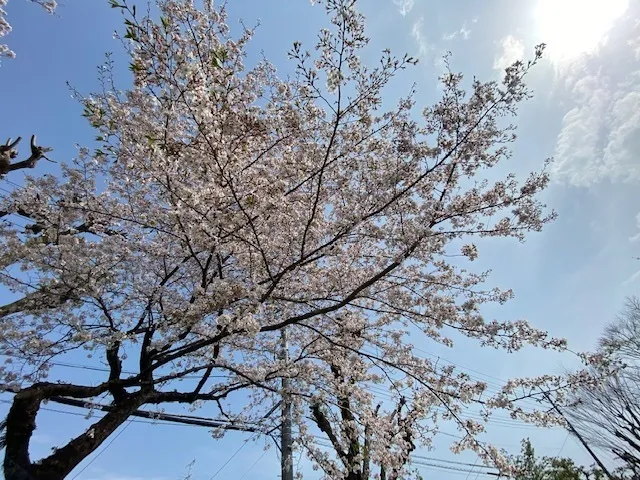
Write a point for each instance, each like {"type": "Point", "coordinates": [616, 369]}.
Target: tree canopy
{"type": "Point", "coordinates": [223, 205]}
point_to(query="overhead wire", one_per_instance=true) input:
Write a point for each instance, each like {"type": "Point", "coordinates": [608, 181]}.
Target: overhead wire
{"type": "Point", "coordinates": [453, 462]}
{"type": "Point", "coordinates": [496, 421]}
{"type": "Point", "coordinates": [419, 460]}
{"type": "Point", "coordinates": [455, 470]}
{"type": "Point", "coordinates": [473, 468]}
{"type": "Point", "coordinates": [12, 183]}
{"type": "Point", "coordinates": [78, 414]}
{"type": "Point", "coordinates": [95, 457]}
{"type": "Point", "coordinates": [563, 444]}
{"type": "Point", "coordinates": [253, 465]}
{"type": "Point", "coordinates": [233, 455]}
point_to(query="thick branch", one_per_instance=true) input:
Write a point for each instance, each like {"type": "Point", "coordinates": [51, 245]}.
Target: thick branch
{"type": "Point", "coordinates": [42, 299]}
{"type": "Point", "coordinates": [115, 370]}
{"type": "Point", "coordinates": [21, 422]}
{"type": "Point", "coordinates": [323, 424]}
{"type": "Point", "coordinates": [200, 422]}
{"type": "Point", "coordinates": [8, 153]}
{"type": "Point", "coordinates": [59, 464]}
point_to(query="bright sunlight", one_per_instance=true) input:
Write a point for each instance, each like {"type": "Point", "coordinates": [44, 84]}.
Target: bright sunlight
{"type": "Point", "coordinates": [572, 27]}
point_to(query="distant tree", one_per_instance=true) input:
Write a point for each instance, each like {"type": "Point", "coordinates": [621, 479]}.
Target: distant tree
{"type": "Point", "coordinates": [622, 337]}
{"type": "Point", "coordinates": [367, 438]}
{"type": "Point", "coordinates": [530, 467]}
{"type": "Point", "coordinates": [607, 413]}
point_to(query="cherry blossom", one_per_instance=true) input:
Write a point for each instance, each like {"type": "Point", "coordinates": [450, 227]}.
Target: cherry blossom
{"type": "Point", "coordinates": [224, 204]}
{"type": "Point", "coordinates": [5, 27]}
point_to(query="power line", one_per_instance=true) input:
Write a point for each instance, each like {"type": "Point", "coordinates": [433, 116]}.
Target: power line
{"type": "Point", "coordinates": [167, 417]}
{"type": "Point", "coordinates": [496, 421]}
{"type": "Point", "coordinates": [106, 370]}
{"type": "Point", "coordinates": [418, 458]}
{"type": "Point", "coordinates": [233, 455]}
{"type": "Point", "coordinates": [12, 183]}
{"type": "Point", "coordinates": [186, 419]}
{"type": "Point", "coordinates": [461, 471]}
{"type": "Point", "coordinates": [563, 444]}
{"type": "Point", "coordinates": [453, 462]}
{"type": "Point", "coordinates": [78, 414]}
{"type": "Point", "coordinates": [102, 451]}
{"type": "Point", "coordinates": [580, 438]}
{"type": "Point", "coordinates": [253, 465]}
{"type": "Point", "coordinates": [501, 381]}
{"type": "Point", "coordinates": [472, 468]}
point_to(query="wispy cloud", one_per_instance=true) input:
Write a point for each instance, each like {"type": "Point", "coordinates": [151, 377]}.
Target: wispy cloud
{"type": "Point", "coordinates": [404, 6]}
{"type": "Point", "coordinates": [511, 49]}
{"type": "Point", "coordinates": [632, 279]}
{"type": "Point", "coordinates": [464, 33]}
{"type": "Point", "coordinates": [600, 135]}
{"type": "Point", "coordinates": [418, 35]}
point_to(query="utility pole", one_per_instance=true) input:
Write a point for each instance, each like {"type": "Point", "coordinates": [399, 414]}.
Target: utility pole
{"type": "Point", "coordinates": [579, 437]}
{"type": "Point", "coordinates": [286, 440]}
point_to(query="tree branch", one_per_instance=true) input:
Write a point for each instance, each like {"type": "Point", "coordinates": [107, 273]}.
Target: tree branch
{"type": "Point", "coordinates": [8, 153]}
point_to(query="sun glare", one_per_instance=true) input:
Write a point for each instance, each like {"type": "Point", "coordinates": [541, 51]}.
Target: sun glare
{"type": "Point", "coordinates": [572, 27]}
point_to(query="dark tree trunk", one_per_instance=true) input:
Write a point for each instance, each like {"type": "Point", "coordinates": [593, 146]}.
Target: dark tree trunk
{"type": "Point", "coordinates": [21, 422]}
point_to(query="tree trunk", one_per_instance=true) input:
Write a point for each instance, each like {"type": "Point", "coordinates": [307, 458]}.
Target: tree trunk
{"type": "Point", "coordinates": [21, 422]}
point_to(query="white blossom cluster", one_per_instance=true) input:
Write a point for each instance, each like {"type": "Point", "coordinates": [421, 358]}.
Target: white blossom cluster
{"type": "Point", "coordinates": [5, 27]}
{"type": "Point", "coordinates": [224, 205]}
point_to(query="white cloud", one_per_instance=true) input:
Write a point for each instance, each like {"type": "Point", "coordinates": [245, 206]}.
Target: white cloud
{"type": "Point", "coordinates": [577, 155]}
{"type": "Point", "coordinates": [636, 237]}
{"type": "Point", "coordinates": [463, 33]}
{"type": "Point", "coordinates": [632, 279]}
{"type": "Point", "coordinates": [419, 37]}
{"type": "Point", "coordinates": [623, 147]}
{"type": "Point", "coordinates": [511, 49]}
{"type": "Point", "coordinates": [600, 135]}
{"type": "Point", "coordinates": [634, 44]}
{"type": "Point", "coordinates": [404, 6]}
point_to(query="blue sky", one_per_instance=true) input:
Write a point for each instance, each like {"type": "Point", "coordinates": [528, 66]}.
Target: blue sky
{"type": "Point", "coordinates": [571, 279]}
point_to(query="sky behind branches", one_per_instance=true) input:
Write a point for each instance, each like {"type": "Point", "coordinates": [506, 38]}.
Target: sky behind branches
{"type": "Point", "coordinates": [570, 279]}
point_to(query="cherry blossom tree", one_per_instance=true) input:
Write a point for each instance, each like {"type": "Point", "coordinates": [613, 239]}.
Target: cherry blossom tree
{"type": "Point", "coordinates": [5, 27]}
{"type": "Point", "coordinates": [367, 437]}
{"type": "Point", "coordinates": [224, 204]}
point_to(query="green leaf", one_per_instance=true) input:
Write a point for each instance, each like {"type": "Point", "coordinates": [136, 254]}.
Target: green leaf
{"type": "Point", "coordinates": [219, 57]}
{"type": "Point", "coordinates": [135, 67]}
{"type": "Point", "coordinates": [131, 33]}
